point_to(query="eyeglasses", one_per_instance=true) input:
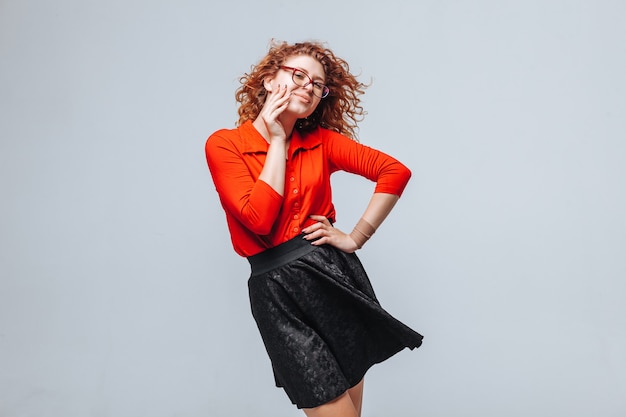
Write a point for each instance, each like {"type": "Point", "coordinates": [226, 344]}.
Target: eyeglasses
{"type": "Point", "coordinates": [301, 79]}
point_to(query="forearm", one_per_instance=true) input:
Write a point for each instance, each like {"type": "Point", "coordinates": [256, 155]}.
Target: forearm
{"type": "Point", "coordinates": [379, 207]}
{"type": "Point", "coordinates": [273, 172]}
{"type": "Point", "coordinates": [323, 232]}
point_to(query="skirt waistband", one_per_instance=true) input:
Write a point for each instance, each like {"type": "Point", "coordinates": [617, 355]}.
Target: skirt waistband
{"type": "Point", "coordinates": [280, 255]}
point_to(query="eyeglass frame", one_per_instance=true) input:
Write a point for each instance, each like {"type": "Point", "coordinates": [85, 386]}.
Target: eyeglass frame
{"type": "Point", "coordinates": [325, 89]}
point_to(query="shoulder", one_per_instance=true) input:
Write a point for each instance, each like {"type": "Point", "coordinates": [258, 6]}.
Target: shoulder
{"type": "Point", "coordinates": [222, 135]}
{"type": "Point", "coordinates": [223, 138]}
{"type": "Point", "coordinates": [336, 140]}
{"type": "Point", "coordinates": [328, 135]}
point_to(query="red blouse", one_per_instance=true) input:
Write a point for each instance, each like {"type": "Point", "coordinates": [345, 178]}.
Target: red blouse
{"type": "Point", "coordinates": [258, 217]}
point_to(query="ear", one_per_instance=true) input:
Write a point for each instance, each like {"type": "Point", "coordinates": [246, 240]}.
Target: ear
{"type": "Point", "coordinates": [267, 83]}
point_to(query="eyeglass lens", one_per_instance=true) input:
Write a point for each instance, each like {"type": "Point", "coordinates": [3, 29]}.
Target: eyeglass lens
{"type": "Point", "coordinates": [301, 79]}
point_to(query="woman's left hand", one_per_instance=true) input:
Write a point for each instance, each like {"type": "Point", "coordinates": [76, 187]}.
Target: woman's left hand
{"type": "Point", "coordinates": [323, 232]}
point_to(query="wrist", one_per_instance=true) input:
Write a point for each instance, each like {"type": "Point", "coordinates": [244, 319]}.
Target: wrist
{"type": "Point", "coordinates": [362, 232]}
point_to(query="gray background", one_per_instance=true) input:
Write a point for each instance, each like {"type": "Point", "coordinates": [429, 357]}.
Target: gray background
{"type": "Point", "coordinates": [120, 294]}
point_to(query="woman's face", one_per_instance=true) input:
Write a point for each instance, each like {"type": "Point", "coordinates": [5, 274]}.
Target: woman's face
{"type": "Point", "coordinates": [304, 77]}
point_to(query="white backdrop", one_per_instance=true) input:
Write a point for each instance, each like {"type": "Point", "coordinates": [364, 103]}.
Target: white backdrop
{"type": "Point", "coordinates": [120, 295]}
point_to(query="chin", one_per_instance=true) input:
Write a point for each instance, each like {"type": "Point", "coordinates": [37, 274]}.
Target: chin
{"type": "Point", "coordinates": [301, 113]}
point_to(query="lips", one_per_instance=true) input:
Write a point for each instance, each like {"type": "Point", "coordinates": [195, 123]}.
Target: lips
{"type": "Point", "coordinates": [303, 98]}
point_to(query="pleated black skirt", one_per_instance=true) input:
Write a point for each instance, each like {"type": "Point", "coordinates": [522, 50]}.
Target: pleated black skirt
{"type": "Point", "coordinates": [320, 320]}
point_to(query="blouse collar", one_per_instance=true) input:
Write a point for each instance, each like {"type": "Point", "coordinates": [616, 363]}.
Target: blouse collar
{"type": "Point", "coordinates": [253, 142]}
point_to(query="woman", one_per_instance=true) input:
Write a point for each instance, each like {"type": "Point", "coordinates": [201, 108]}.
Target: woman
{"type": "Point", "coordinates": [313, 303]}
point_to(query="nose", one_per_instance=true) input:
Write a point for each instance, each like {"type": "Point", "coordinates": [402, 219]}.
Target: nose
{"type": "Point", "coordinates": [308, 87]}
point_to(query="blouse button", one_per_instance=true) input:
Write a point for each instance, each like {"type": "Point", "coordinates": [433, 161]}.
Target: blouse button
{"type": "Point", "coordinates": [295, 191]}
{"type": "Point", "coordinates": [295, 229]}
{"type": "Point", "coordinates": [292, 179]}
{"type": "Point", "coordinates": [296, 217]}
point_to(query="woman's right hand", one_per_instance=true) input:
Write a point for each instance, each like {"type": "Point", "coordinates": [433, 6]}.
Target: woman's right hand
{"type": "Point", "coordinates": [273, 172]}
{"type": "Point", "coordinates": [276, 103]}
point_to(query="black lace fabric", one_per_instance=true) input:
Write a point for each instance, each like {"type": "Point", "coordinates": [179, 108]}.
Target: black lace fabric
{"type": "Point", "coordinates": [322, 325]}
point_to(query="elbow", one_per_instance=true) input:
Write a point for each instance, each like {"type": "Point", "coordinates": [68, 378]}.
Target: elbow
{"type": "Point", "coordinates": [258, 223]}
{"type": "Point", "coordinates": [259, 211]}
{"type": "Point", "coordinates": [259, 228]}
{"type": "Point", "coordinates": [404, 175]}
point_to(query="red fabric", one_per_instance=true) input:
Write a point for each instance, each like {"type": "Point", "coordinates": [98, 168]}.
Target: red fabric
{"type": "Point", "coordinates": [258, 217]}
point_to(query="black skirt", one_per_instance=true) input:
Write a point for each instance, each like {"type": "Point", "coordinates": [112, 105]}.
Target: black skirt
{"type": "Point", "coordinates": [320, 321]}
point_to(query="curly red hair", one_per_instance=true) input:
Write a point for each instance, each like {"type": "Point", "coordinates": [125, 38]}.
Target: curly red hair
{"type": "Point", "coordinates": [339, 111]}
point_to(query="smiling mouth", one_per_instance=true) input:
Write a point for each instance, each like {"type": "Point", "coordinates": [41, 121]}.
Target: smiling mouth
{"type": "Point", "coordinates": [305, 99]}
